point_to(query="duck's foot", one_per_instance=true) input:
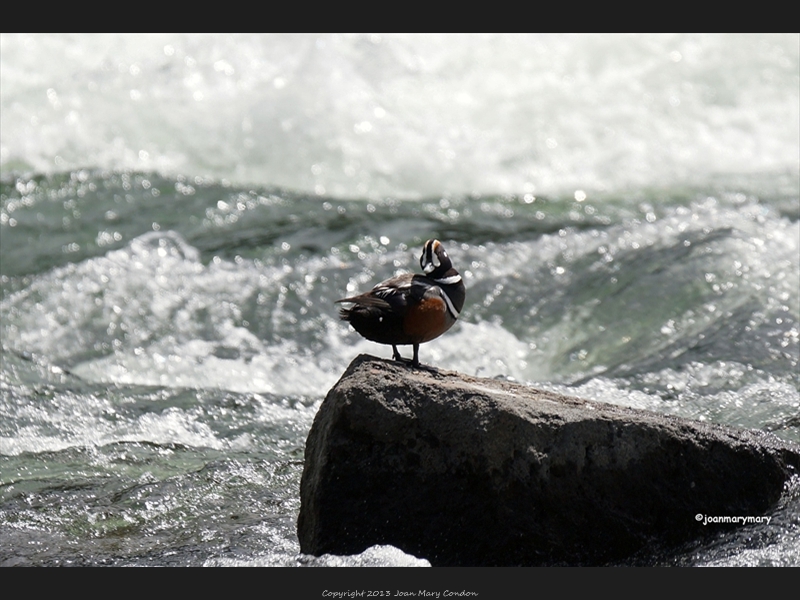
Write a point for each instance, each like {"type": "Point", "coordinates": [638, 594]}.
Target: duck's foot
{"type": "Point", "coordinates": [412, 362]}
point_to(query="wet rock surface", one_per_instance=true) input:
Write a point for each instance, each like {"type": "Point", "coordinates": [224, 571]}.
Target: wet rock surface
{"type": "Point", "coordinates": [467, 471]}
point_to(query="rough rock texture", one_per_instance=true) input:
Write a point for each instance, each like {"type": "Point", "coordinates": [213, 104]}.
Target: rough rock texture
{"type": "Point", "coordinates": [467, 471]}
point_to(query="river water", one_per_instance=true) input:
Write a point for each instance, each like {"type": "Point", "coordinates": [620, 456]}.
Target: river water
{"type": "Point", "coordinates": [179, 214]}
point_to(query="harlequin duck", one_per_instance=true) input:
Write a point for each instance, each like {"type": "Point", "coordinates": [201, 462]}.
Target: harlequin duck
{"type": "Point", "coordinates": [410, 309]}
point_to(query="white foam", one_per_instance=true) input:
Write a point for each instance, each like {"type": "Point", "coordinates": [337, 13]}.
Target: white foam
{"type": "Point", "coordinates": [86, 421]}
{"type": "Point", "coordinates": [374, 556]}
{"type": "Point", "coordinates": [407, 115]}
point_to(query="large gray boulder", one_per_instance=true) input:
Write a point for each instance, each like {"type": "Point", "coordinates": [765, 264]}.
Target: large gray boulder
{"type": "Point", "coordinates": [468, 471]}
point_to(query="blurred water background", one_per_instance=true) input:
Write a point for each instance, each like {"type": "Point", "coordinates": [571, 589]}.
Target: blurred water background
{"type": "Point", "coordinates": [179, 213]}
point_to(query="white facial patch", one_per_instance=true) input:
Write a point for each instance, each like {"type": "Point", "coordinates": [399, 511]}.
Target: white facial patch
{"type": "Point", "coordinates": [434, 262]}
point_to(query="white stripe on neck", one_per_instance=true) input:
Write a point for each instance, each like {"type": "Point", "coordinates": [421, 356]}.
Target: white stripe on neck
{"type": "Point", "coordinates": [449, 280]}
{"type": "Point", "coordinates": [449, 302]}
